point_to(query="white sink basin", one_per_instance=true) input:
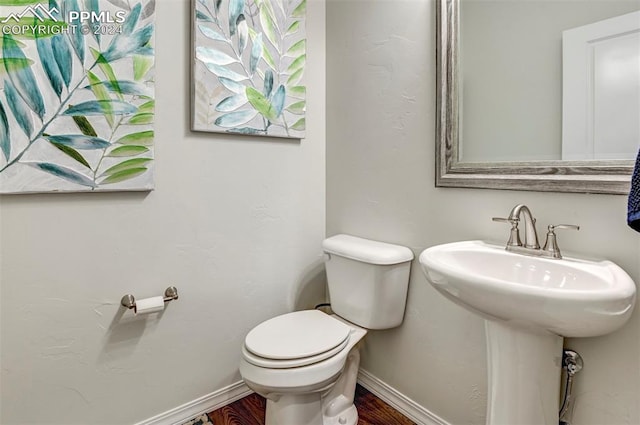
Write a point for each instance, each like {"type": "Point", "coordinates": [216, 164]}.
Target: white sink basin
{"type": "Point", "coordinates": [568, 297]}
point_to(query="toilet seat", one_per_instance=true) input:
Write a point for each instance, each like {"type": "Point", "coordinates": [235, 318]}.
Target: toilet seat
{"type": "Point", "coordinates": [295, 339]}
{"type": "Point", "coordinates": [287, 364]}
{"type": "Point", "coordinates": [304, 378]}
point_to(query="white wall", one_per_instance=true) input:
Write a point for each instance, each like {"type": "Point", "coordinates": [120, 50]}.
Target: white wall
{"type": "Point", "coordinates": [380, 184]}
{"type": "Point", "coordinates": [235, 223]}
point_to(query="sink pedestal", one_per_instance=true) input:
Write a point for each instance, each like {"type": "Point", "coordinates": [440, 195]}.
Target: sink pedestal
{"type": "Point", "coordinates": [524, 371]}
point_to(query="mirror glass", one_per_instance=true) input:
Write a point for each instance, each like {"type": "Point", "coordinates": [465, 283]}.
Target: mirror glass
{"type": "Point", "coordinates": [520, 61]}
{"type": "Point", "coordinates": [538, 94]}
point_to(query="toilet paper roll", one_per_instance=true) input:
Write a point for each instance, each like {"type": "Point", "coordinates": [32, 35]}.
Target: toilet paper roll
{"type": "Point", "coordinates": [149, 305]}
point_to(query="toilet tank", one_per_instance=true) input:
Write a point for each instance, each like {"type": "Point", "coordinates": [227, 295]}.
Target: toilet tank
{"type": "Point", "coordinates": [367, 280]}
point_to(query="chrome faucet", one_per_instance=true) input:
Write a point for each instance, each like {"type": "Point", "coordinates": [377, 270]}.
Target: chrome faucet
{"type": "Point", "coordinates": [530, 233]}
{"type": "Point", "coordinates": [531, 245]}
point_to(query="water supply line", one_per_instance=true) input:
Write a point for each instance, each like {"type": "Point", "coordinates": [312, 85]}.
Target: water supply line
{"type": "Point", "coordinates": [572, 363]}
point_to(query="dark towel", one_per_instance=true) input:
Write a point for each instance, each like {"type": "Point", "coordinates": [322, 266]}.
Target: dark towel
{"type": "Point", "coordinates": [633, 209]}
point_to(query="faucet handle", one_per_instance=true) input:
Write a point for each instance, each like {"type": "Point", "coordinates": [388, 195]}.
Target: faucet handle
{"type": "Point", "coordinates": [551, 244]}
{"type": "Point", "coordinates": [552, 227]}
{"type": "Point", "coordinates": [514, 236]}
{"type": "Point", "coordinates": [505, 220]}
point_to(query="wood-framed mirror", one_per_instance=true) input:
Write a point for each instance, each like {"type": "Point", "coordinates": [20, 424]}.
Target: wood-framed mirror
{"type": "Point", "coordinates": [605, 175]}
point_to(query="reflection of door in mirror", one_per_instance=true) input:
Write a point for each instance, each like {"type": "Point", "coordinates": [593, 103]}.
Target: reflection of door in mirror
{"type": "Point", "coordinates": [601, 89]}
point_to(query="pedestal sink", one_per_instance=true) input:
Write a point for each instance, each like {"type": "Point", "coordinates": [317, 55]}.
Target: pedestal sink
{"type": "Point", "coordinates": [530, 304]}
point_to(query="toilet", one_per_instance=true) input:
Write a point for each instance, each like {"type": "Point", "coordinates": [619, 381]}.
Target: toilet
{"type": "Point", "coordinates": [306, 363]}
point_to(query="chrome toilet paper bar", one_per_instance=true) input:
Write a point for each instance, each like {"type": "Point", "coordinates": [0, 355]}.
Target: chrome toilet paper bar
{"type": "Point", "coordinates": [170, 294]}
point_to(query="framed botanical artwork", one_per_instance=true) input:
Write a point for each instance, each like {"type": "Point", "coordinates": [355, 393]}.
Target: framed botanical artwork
{"type": "Point", "coordinates": [248, 67]}
{"type": "Point", "coordinates": [77, 95]}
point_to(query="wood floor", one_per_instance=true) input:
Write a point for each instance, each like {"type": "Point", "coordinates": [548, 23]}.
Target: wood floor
{"type": "Point", "coordinates": [250, 411]}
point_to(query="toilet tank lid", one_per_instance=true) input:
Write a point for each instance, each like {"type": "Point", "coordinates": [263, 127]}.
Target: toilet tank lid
{"type": "Point", "coordinates": [366, 250]}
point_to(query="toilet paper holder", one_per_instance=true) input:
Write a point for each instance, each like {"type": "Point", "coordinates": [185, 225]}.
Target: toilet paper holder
{"type": "Point", "coordinates": [170, 294]}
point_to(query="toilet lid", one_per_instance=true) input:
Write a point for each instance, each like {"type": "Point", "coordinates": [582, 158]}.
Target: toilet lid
{"type": "Point", "coordinates": [288, 364]}
{"type": "Point", "coordinates": [296, 335]}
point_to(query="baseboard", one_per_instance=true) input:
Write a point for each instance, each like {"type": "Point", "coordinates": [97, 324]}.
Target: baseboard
{"type": "Point", "coordinates": [204, 404]}
{"type": "Point", "coordinates": [399, 401]}
{"type": "Point", "coordinates": [233, 392]}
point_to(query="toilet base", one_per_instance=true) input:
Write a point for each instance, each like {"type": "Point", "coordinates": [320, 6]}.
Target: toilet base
{"type": "Point", "coordinates": [291, 409]}
{"type": "Point", "coordinates": [348, 417]}
{"type": "Point", "coordinates": [306, 410]}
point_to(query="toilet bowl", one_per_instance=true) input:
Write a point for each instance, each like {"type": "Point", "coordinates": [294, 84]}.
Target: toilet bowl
{"type": "Point", "coordinates": [306, 363]}
{"type": "Point", "coordinates": [300, 372]}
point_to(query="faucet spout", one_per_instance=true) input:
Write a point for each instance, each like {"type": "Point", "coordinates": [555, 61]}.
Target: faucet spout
{"type": "Point", "coordinates": [530, 233]}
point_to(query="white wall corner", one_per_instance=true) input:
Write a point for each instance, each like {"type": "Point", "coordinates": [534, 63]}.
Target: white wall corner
{"type": "Point", "coordinates": [403, 404]}
{"type": "Point", "coordinates": [207, 403]}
